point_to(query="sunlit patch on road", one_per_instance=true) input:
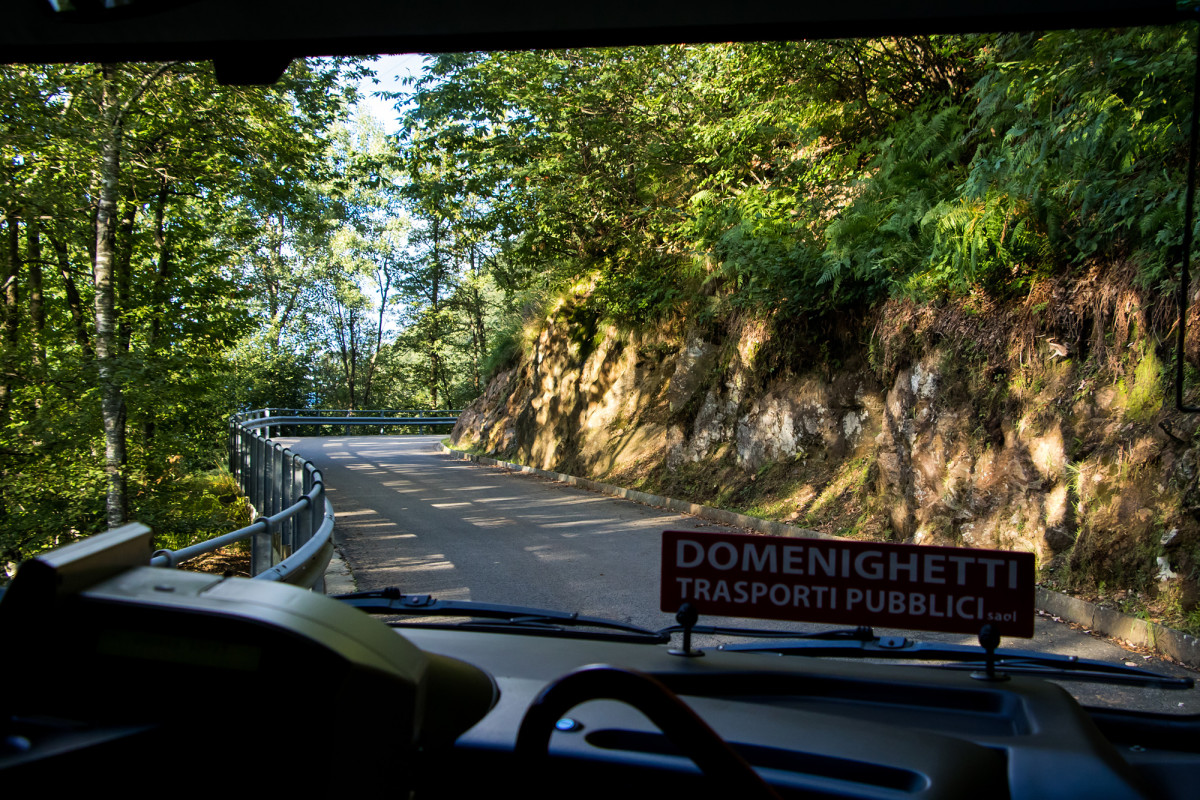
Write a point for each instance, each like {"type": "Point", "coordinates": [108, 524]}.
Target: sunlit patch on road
{"type": "Point", "coordinates": [489, 522]}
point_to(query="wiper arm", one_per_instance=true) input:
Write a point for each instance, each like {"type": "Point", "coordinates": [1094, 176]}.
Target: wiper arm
{"type": "Point", "coordinates": [1016, 662]}
{"type": "Point", "coordinates": [489, 615]}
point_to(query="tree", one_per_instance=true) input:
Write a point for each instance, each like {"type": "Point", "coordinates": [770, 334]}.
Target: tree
{"type": "Point", "coordinates": [114, 201]}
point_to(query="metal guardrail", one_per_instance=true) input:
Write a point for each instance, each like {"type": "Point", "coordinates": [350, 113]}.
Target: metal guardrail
{"type": "Point", "coordinates": [292, 538]}
{"type": "Point", "coordinates": [268, 418]}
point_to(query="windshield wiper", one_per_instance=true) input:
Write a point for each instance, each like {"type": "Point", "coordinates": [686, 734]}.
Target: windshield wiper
{"type": "Point", "coordinates": [859, 642]}
{"type": "Point", "coordinates": [862, 633]}
{"type": "Point", "coordinates": [965, 657]}
{"type": "Point", "coordinates": [491, 616]}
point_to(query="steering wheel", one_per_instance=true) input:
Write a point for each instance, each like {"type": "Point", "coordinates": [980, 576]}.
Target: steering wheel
{"type": "Point", "coordinates": [691, 734]}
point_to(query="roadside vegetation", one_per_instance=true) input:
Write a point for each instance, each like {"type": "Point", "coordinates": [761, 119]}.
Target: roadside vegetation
{"type": "Point", "coordinates": [174, 250]}
{"type": "Point", "coordinates": [1012, 205]}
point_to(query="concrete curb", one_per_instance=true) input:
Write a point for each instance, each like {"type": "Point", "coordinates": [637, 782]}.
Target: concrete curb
{"type": "Point", "coordinates": [1165, 641]}
{"type": "Point", "coordinates": [338, 578]}
{"type": "Point", "coordinates": [1173, 644]}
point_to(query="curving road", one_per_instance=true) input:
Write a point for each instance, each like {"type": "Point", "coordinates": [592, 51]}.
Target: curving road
{"type": "Point", "coordinates": [411, 516]}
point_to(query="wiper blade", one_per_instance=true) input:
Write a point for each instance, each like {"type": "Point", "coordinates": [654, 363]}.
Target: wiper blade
{"type": "Point", "coordinates": [862, 633]}
{"type": "Point", "coordinates": [491, 616]}
{"type": "Point", "coordinates": [1015, 662]}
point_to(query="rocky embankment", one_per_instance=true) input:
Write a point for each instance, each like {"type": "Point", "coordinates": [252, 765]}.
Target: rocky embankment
{"type": "Point", "coordinates": [951, 426]}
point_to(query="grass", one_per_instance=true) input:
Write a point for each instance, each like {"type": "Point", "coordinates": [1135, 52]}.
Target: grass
{"type": "Point", "coordinates": [1142, 396]}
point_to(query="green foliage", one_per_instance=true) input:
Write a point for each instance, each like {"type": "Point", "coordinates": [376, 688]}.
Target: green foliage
{"type": "Point", "coordinates": [888, 234]}
{"type": "Point", "coordinates": [819, 177]}
{"type": "Point", "coordinates": [53, 486]}
{"type": "Point", "coordinates": [508, 345]}
{"type": "Point", "coordinates": [186, 508]}
{"type": "Point", "coordinates": [990, 242]}
{"type": "Point", "coordinates": [1087, 128]}
{"type": "Point", "coordinates": [262, 376]}
{"type": "Point", "coordinates": [1141, 396]}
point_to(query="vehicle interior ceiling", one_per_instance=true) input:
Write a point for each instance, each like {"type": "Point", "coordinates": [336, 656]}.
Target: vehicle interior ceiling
{"type": "Point", "coordinates": [253, 43]}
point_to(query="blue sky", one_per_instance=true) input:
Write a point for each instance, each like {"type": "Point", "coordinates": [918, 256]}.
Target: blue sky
{"type": "Point", "coordinates": [389, 70]}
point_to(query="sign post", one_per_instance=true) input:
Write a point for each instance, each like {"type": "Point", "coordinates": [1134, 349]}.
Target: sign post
{"type": "Point", "coordinates": [949, 589]}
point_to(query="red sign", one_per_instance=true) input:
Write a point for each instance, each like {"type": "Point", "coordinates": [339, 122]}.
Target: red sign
{"type": "Point", "coordinates": [952, 589]}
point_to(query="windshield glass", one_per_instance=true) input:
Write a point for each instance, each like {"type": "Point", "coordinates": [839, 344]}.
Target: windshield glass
{"type": "Point", "coordinates": [914, 290]}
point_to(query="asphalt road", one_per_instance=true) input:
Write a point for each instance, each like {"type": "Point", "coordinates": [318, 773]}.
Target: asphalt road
{"type": "Point", "coordinates": [412, 517]}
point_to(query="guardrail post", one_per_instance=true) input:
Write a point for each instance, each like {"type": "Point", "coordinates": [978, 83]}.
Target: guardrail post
{"type": "Point", "coordinates": [251, 478]}
{"type": "Point", "coordinates": [289, 536]}
{"type": "Point", "coordinates": [277, 467]}
{"type": "Point", "coordinates": [319, 584]}
{"type": "Point", "coordinates": [264, 482]}
{"type": "Point", "coordinates": [282, 500]}
{"type": "Point", "coordinates": [260, 548]}
{"type": "Point", "coordinates": [265, 469]}
{"type": "Point", "coordinates": [243, 458]}
{"type": "Point", "coordinates": [268, 496]}
{"type": "Point", "coordinates": [316, 511]}
{"type": "Point", "coordinates": [300, 521]}
{"type": "Point", "coordinates": [304, 526]}
{"type": "Point", "coordinates": [244, 449]}
{"type": "Point", "coordinates": [260, 472]}
{"type": "Point", "coordinates": [252, 473]}
{"type": "Point", "coordinates": [273, 478]}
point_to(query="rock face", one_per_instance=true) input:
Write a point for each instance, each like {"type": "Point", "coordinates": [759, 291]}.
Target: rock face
{"type": "Point", "coordinates": [1044, 462]}
{"type": "Point", "coordinates": [950, 487]}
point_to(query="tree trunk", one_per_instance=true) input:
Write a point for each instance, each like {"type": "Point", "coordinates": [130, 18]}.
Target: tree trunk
{"type": "Point", "coordinates": [352, 367]}
{"type": "Point", "coordinates": [12, 283]}
{"type": "Point", "coordinates": [74, 301]}
{"type": "Point", "coordinates": [478, 332]}
{"type": "Point", "coordinates": [12, 310]}
{"type": "Point", "coordinates": [124, 280]}
{"type": "Point", "coordinates": [435, 340]}
{"type": "Point", "coordinates": [112, 396]}
{"type": "Point", "coordinates": [158, 294]}
{"type": "Point", "coordinates": [383, 278]}
{"type": "Point", "coordinates": [347, 346]}
{"type": "Point", "coordinates": [37, 306]}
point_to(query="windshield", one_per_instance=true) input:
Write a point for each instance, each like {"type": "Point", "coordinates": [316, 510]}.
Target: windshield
{"type": "Point", "coordinates": [911, 289]}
